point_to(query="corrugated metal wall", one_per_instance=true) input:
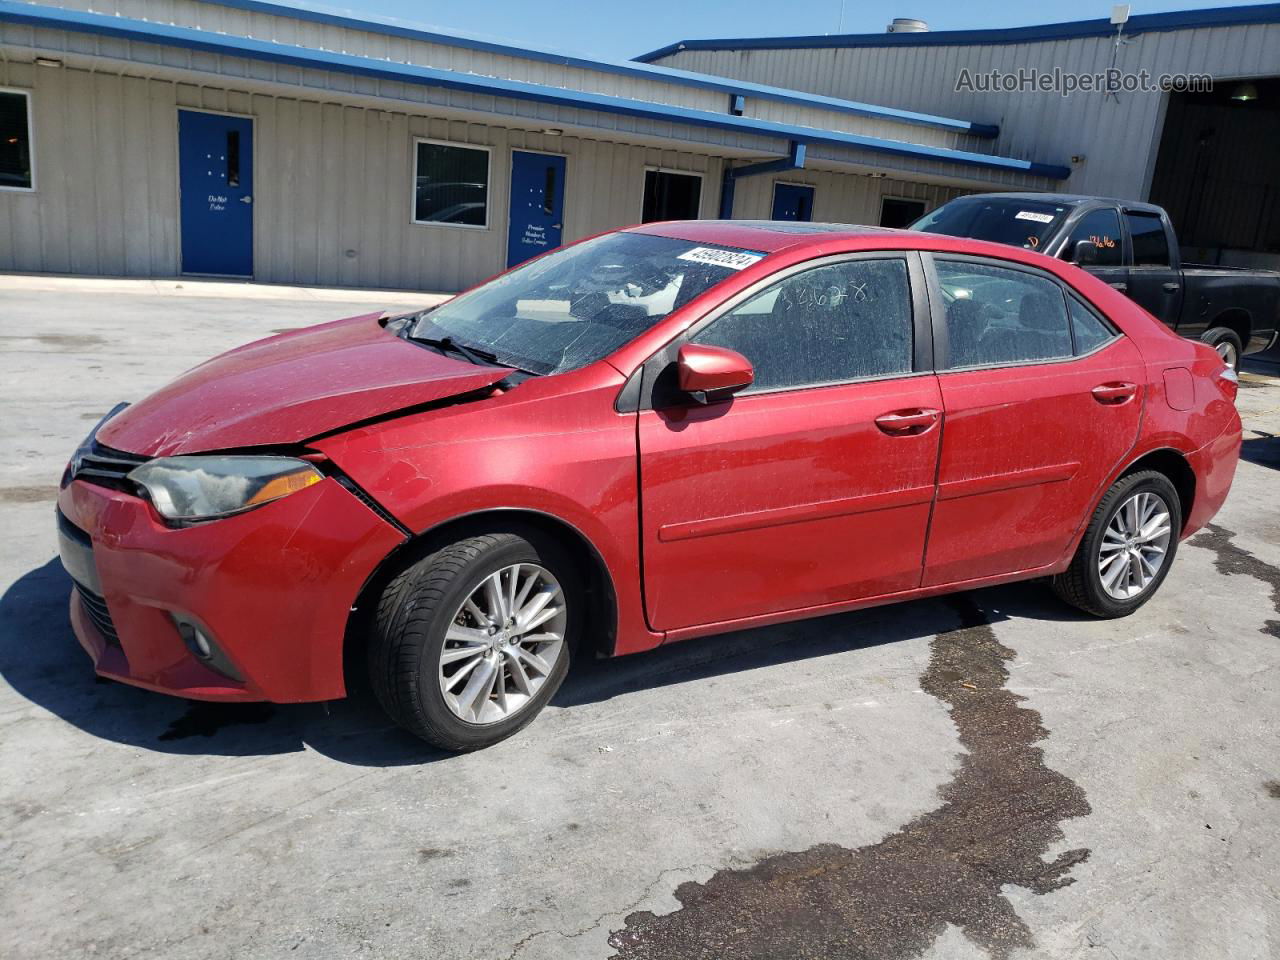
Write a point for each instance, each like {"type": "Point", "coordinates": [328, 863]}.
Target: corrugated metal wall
{"type": "Point", "coordinates": [1118, 138]}
{"type": "Point", "coordinates": [332, 189]}
{"type": "Point", "coordinates": [371, 43]}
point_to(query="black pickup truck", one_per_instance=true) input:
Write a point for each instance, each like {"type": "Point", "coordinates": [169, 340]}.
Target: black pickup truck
{"type": "Point", "coordinates": [1132, 247]}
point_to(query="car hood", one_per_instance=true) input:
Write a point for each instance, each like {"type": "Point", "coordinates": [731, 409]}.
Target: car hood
{"type": "Point", "coordinates": [290, 388]}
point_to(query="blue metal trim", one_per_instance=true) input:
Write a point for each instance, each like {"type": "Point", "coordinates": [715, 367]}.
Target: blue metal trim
{"type": "Point", "coordinates": [391, 27]}
{"type": "Point", "coordinates": [305, 57]}
{"type": "Point", "coordinates": [1143, 23]}
{"type": "Point", "coordinates": [793, 161]}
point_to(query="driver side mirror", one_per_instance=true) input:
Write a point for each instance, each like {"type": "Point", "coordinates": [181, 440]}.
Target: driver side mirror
{"type": "Point", "coordinates": [709, 374]}
{"type": "Point", "coordinates": [1085, 253]}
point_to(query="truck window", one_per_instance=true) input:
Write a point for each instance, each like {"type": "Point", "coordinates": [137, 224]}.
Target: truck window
{"type": "Point", "coordinates": [1013, 221]}
{"type": "Point", "coordinates": [1103, 228]}
{"type": "Point", "coordinates": [1150, 246]}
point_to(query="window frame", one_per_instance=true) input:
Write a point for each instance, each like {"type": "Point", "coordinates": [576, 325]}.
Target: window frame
{"type": "Point", "coordinates": [1064, 254]}
{"type": "Point", "coordinates": [639, 391]}
{"type": "Point", "coordinates": [938, 313]}
{"type": "Point", "coordinates": [924, 208]}
{"type": "Point", "coordinates": [31, 140]}
{"type": "Point", "coordinates": [644, 179]}
{"type": "Point", "coordinates": [413, 184]}
{"type": "Point", "coordinates": [1133, 264]}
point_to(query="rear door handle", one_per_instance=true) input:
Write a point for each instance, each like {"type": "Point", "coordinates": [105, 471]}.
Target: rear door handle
{"type": "Point", "coordinates": [907, 422]}
{"type": "Point", "coordinates": [1115, 393]}
{"type": "Point", "coordinates": [1170, 287]}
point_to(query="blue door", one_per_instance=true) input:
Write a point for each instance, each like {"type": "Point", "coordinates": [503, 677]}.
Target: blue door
{"type": "Point", "coordinates": [537, 205]}
{"type": "Point", "coordinates": [791, 201]}
{"type": "Point", "coordinates": [215, 177]}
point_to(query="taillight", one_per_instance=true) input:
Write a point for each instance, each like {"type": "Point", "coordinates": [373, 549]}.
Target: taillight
{"type": "Point", "coordinates": [1229, 382]}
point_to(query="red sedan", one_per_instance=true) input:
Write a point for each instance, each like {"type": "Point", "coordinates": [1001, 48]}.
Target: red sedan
{"type": "Point", "coordinates": [658, 433]}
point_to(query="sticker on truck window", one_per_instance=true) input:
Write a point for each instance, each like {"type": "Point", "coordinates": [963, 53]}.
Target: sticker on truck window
{"type": "Point", "coordinates": [1032, 215]}
{"type": "Point", "coordinates": [712, 257]}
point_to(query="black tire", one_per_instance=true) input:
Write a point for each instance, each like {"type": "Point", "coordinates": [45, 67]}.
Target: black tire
{"type": "Point", "coordinates": [413, 615]}
{"type": "Point", "coordinates": [1224, 337]}
{"type": "Point", "coordinates": [1081, 584]}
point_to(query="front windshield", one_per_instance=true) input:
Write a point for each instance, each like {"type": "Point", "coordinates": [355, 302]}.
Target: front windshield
{"type": "Point", "coordinates": [577, 305]}
{"type": "Point", "coordinates": [1017, 223]}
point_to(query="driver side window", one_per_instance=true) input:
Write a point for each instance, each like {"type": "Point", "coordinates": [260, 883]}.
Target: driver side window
{"type": "Point", "coordinates": [1102, 227]}
{"type": "Point", "coordinates": [832, 324]}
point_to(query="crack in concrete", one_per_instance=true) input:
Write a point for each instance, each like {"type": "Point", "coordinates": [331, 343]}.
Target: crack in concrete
{"type": "Point", "coordinates": [1230, 560]}
{"type": "Point", "coordinates": [1001, 813]}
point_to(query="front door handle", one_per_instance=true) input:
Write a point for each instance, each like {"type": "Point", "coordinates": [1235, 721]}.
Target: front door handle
{"type": "Point", "coordinates": [1120, 285]}
{"type": "Point", "coordinates": [909, 423]}
{"type": "Point", "coordinates": [1115, 393]}
{"type": "Point", "coordinates": [1170, 287]}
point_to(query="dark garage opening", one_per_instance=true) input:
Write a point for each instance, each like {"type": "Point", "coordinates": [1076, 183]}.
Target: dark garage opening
{"type": "Point", "coordinates": [1217, 172]}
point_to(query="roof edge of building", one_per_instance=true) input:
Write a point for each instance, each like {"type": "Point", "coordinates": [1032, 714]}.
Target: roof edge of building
{"type": "Point", "coordinates": [1142, 23]}
{"type": "Point", "coordinates": [208, 41]}
{"type": "Point", "coordinates": [391, 27]}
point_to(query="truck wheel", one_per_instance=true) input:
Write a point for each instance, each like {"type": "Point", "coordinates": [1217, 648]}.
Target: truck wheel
{"type": "Point", "coordinates": [1227, 342]}
{"type": "Point", "coordinates": [1127, 549]}
{"type": "Point", "coordinates": [471, 642]}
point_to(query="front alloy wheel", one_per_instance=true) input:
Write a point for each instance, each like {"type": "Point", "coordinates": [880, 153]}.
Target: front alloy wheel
{"type": "Point", "coordinates": [470, 642]}
{"type": "Point", "coordinates": [503, 644]}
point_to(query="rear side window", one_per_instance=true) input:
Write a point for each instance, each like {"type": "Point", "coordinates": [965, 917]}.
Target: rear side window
{"type": "Point", "coordinates": [1102, 227]}
{"type": "Point", "coordinates": [1150, 246]}
{"type": "Point", "coordinates": [832, 324]}
{"type": "Point", "coordinates": [1090, 332]}
{"type": "Point", "coordinates": [996, 315]}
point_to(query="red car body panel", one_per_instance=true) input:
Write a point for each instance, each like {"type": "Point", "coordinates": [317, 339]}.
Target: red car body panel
{"type": "Point", "coordinates": [290, 387]}
{"type": "Point", "coordinates": [770, 507]}
{"type": "Point", "coordinates": [273, 587]}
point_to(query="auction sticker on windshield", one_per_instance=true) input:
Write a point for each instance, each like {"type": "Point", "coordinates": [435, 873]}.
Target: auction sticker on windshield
{"type": "Point", "coordinates": [1032, 215]}
{"type": "Point", "coordinates": [732, 259]}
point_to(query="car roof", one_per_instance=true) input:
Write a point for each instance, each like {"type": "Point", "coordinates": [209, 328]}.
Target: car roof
{"type": "Point", "coordinates": [766, 236]}
{"type": "Point", "coordinates": [1064, 199]}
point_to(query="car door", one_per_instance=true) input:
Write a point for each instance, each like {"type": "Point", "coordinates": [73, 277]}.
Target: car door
{"type": "Point", "coordinates": [812, 486]}
{"type": "Point", "coordinates": [1042, 399]}
{"type": "Point", "coordinates": [1155, 284]}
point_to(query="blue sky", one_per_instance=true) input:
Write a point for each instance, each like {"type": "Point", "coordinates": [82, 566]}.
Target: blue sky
{"type": "Point", "coordinates": [618, 31]}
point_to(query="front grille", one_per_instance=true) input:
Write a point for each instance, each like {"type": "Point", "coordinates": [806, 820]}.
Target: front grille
{"type": "Point", "coordinates": [105, 467]}
{"type": "Point", "coordinates": [96, 607]}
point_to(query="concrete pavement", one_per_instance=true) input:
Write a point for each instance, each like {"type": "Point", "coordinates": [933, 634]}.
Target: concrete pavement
{"type": "Point", "coordinates": [989, 775]}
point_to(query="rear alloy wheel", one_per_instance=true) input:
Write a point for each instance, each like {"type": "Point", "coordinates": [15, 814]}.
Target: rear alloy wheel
{"type": "Point", "coordinates": [471, 642]}
{"type": "Point", "coordinates": [1227, 342]}
{"type": "Point", "coordinates": [1127, 548]}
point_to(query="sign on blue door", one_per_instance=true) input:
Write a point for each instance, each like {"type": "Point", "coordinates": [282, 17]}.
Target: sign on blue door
{"type": "Point", "coordinates": [215, 177]}
{"type": "Point", "coordinates": [792, 201]}
{"type": "Point", "coordinates": [537, 205]}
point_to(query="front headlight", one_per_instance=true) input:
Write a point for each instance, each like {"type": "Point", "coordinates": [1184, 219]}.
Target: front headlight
{"type": "Point", "coordinates": [204, 487]}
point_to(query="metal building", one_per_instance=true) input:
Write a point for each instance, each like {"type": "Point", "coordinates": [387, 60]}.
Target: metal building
{"type": "Point", "coordinates": [1208, 157]}
{"type": "Point", "coordinates": [247, 138]}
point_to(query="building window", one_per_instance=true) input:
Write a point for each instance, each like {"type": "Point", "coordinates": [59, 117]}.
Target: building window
{"type": "Point", "coordinates": [451, 184]}
{"type": "Point", "coordinates": [899, 212]}
{"type": "Point", "coordinates": [671, 196]}
{"type": "Point", "coordinates": [15, 141]}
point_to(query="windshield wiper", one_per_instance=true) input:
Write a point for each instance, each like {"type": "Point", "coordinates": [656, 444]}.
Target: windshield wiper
{"type": "Point", "coordinates": [481, 358]}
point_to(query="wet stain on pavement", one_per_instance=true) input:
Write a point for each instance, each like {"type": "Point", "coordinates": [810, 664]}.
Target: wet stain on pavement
{"type": "Point", "coordinates": [1231, 560]}
{"type": "Point", "coordinates": [28, 494]}
{"type": "Point", "coordinates": [1273, 788]}
{"type": "Point", "coordinates": [1000, 815]}
{"type": "Point", "coordinates": [206, 719]}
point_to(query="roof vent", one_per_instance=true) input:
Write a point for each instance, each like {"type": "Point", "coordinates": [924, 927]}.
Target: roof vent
{"type": "Point", "coordinates": [907, 25]}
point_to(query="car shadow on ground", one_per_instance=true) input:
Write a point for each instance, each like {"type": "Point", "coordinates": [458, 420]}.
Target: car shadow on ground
{"type": "Point", "coordinates": [1263, 449]}
{"type": "Point", "coordinates": [41, 660]}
